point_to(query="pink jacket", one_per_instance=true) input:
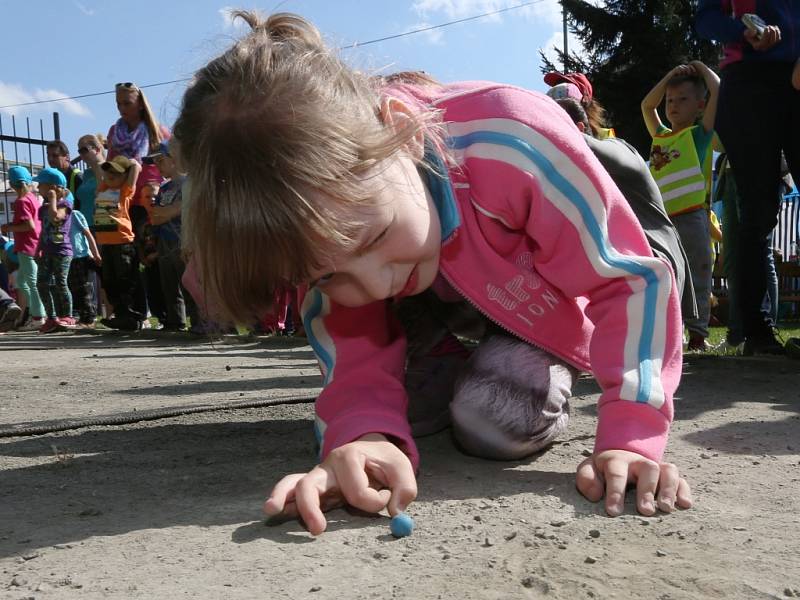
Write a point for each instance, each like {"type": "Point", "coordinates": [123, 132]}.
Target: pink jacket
{"type": "Point", "coordinates": [541, 241]}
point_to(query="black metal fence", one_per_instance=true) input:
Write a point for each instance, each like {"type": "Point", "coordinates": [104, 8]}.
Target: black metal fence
{"type": "Point", "coordinates": [21, 146]}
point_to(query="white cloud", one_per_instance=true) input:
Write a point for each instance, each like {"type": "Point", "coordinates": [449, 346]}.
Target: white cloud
{"type": "Point", "coordinates": [229, 22]}
{"type": "Point", "coordinates": [89, 12]}
{"type": "Point", "coordinates": [15, 94]}
{"type": "Point", "coordinates": [545, 12]}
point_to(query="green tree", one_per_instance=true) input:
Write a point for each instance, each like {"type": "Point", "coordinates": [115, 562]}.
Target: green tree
{"type": "Point", "coordinates": [628, 46]}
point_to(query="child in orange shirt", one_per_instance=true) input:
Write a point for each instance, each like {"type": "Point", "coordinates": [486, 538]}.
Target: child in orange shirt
{"type": "Point", "coordinates": [112, 223]}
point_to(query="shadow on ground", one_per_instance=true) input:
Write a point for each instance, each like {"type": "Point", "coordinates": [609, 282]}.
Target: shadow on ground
{"type": "Point", "coordinates": [108, 482]}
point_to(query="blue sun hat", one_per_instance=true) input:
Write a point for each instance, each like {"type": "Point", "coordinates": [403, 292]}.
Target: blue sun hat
{"type": "Point", "coordinates": [51, 176]}
{"type": "Point", "coordinates": [18, 174]}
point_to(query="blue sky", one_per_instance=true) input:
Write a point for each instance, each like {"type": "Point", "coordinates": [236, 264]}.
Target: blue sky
{"type": "Point", "coordinates": [72, 47]}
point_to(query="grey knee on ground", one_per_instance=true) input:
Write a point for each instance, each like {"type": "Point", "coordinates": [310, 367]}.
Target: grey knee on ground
{"type": "Point", "coordinates": [511, 400]}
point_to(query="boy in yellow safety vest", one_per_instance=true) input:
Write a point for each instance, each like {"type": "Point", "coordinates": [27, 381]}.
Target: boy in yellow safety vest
{"type": "Point", "coordinates": [680, 161]}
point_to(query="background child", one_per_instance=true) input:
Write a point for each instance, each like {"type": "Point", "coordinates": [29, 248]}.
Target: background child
{"type": "Point", "coordinates": [54, 252]}
{"type": "Point", "coordinates": [350, 192]}
{"type": "Point", "coordinates": [10, 312]}
{"type": "Point", "coordinates": [115, 235]}
{"type": "Point", "coordinates": [26, 228]}
{"type": "Point", "coordinates": [165, 215]}
{"type": "Point", "coordinates": [144, 238]}
{"type": "Point", "coordinates": [680, 161]}
{"type": "Point", "coordinates": [84, 250]}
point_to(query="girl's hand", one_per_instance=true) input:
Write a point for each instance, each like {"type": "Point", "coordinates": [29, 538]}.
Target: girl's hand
{"type": "Point", "coordinates": [369, 474]}
{"type": "Point", "coordinates": [610, 471]}
{"type": "Point", "coordinates": [98, 260]}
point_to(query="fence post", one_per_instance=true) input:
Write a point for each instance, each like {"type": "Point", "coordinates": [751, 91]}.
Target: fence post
{"type": "Point", "coordinates": [56, 127]}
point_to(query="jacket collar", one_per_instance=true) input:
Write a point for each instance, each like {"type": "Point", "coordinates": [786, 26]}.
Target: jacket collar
{"type": "Point", "coordinates": [435, 177]}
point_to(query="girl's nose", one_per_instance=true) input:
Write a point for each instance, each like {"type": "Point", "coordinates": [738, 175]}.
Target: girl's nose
{"type": "Point", "coordinates": [374, 278]}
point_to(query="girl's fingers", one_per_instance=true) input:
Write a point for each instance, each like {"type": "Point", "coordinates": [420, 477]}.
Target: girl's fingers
{"type": "Point", "coordinates": [668, 487]}
{"type": "Point", "coordinates": [307, 497]}
{"type": "Point", "coordinates": [354, 484]}
{"type": "Point", "coordinates": [399, 478]}
{"type": "Point", "coordinates": [684, 496]}
{"type": "Point", "coordinates": [615, 473]}
{"type": "Point", "coordinates": [647, 474]}
{"type": "Point", "coordinates": [282, 493]}
{"type": "Point", "coordinates": [589, 482]}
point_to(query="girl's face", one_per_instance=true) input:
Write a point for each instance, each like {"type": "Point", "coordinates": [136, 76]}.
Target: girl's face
{"type": "Point", "coordinates": [89, 149]}
{"type": "Point", "coordinates": [129, 105]}
{"type": "Point", "coordinates": [398, 252]}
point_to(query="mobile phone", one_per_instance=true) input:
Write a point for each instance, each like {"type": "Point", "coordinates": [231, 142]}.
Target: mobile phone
{"type": "Point", "coordinates": [755, 24]}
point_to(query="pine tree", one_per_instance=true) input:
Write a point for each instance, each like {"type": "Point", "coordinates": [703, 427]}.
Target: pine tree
{"type": "Point", "coordinates": [628, 46]}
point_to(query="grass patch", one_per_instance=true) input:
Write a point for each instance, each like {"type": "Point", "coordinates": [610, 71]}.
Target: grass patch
{"type": "Point", "coordinates": [716, 335]}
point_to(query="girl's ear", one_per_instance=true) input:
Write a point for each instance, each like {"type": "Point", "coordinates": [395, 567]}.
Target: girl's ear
{"type": "Point", "coordinates": [398, 115]}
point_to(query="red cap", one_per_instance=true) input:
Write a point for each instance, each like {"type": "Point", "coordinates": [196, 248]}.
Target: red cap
{"type": "Point", "coordinates": [577, 79]}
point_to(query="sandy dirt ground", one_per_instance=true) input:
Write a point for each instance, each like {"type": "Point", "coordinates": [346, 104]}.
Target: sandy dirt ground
{"type": "Point", "coordinates": [171, 508]}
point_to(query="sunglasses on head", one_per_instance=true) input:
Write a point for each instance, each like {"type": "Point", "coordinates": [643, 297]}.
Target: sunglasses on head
{"type": "Point", "coordinates": [128, 85]}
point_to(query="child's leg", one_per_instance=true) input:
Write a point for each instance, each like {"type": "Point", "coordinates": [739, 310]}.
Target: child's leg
{"type": "Point", "coordinates": [44, 275]}
{"type": "Point", "coordinates": [108, 278]}
{"type": "Point", "coordinates": [796, 75]}
{"type": "Point", "coordinates": [128, 282]}
{"type": "Point", "coordinates": [430, 380]}
{"type": "Point", "coordinates": [61, 294]}
{"type": "Point", "coordinates": [26, 283]}
{"type": "Point", "coordinates": [512, 400]}
{"type": "Point", "coordinates": [693, 230]}
{"type": "Point", "coordinates": [170, 269]}
{"type": "Point", "coordinates": [77, 280]}
{"type": "Point", "coordinates": [155, 294]}
{"type": "Point", "coordinates": [10, 312]}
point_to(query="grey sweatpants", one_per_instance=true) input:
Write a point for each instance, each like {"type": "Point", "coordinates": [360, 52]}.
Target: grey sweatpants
{"type": "Point", "coordinates": [696, 239]}
{"type": "Point", "coordinates": [506, 401]}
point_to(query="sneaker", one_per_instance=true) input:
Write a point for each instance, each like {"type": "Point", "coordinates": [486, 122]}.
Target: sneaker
{"type": "Point", "coordinates": [727, 348]}
{"type": "Point", "coordinates": [85, 324]}
{"type": "Point", "coordinates": [34, 324]}
{"type": "Point", "coordinates": [68, 321]}
{"type": "Point", "coordinates": [767, 343]}
{"type": "Point", "coordinates": [123, 324]}
{"type": "Point", "coordinates": [49, 326]}
{"type": "Point", "coordinates": [9, 316]}
{"type": "Point", "coordinates": [697, 343]}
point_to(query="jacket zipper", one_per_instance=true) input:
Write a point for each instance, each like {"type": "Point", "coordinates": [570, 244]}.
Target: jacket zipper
{"type": "Point", "coordinates": [503, 327]}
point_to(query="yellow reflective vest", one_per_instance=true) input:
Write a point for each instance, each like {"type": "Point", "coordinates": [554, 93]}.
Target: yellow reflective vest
{"type": "Point", "coordinates": [679, 171]}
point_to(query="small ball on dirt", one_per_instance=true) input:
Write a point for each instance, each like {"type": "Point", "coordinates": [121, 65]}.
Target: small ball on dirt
{"type": "Point", "coordinates": [401, 525]}
{"type": "Point", "coordinates": [227, 367]}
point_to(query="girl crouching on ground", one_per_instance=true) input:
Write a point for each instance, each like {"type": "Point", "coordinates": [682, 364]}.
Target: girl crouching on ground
{"type": "Point", "coordinates": [375, 193]}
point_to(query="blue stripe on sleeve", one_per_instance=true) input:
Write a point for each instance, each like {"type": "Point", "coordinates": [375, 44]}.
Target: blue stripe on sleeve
{"type": "Point", "coordinates": [563, 185]}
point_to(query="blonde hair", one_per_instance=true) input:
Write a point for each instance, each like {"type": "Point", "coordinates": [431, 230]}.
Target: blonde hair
{"type": "Point", "coordinates": [146, 114]}
{"type": "Point", "coordinates": [96, 139]}
{"type": "Point", "coordinates": [264, 131]}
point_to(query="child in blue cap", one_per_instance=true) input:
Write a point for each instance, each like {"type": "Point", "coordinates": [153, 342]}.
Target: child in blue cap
{"type": "Point", "coordinates": [25, 228]}
{"type": "Point", "coordinates": [55, 251]}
